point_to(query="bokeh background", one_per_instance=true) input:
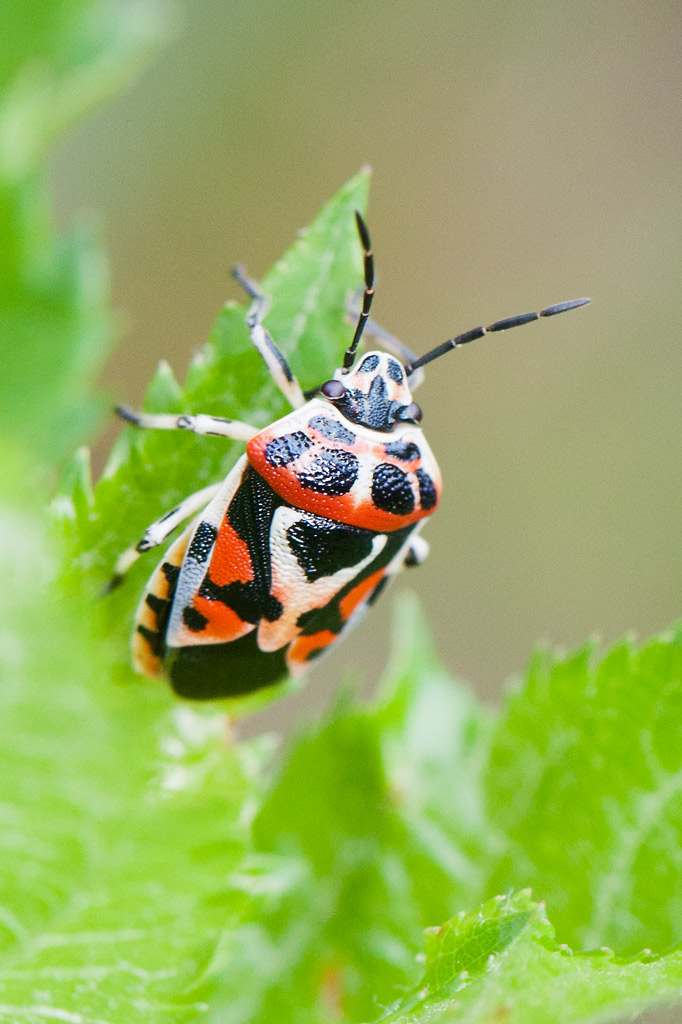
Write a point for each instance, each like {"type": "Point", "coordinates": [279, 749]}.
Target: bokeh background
{"type": "Point", "coordinates": [523, 154]}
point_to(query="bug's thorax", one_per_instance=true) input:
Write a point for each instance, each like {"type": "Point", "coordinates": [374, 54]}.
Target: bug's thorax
{"type": "Point", "coordinates": [317, 460]}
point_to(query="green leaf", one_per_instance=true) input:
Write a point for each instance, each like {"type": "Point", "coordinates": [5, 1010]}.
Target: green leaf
{"type": "Point", "coordinates": [121, 816]}
{"type": "Point", "coordinates": [150, 471]}
{"type": "Point", "coordinates": [310, 285]}
{"type": "Point", "coordinates": [384, 817]}
{"type": "Point", "coordinates": [352, 859]}
{"type": "Point", "coordinates": [585, 784]}
{"type": "Point", "coordinates": [500, 963]}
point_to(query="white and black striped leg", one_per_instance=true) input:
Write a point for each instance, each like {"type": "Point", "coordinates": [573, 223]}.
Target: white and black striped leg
{"type": "Point", "coordinates": [211, 426]}
{"type": "Point", "coordinates": [262, 339]}
{"type": "Point", "coordinates": [159, 531]}
{"type": "Point", "coordinates": [388, 341]}
{"type": "Point", "coordinates": [417, 553]}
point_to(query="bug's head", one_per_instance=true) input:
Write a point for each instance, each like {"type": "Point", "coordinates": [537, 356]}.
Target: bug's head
{"type": "Point", "coordinates": [375, 393]}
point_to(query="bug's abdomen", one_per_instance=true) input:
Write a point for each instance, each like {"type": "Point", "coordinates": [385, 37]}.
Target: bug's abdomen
{"type": "Point", "coordinates": [317, 462]}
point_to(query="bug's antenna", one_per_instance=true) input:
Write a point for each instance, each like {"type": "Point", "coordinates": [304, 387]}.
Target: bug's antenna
{"type": "Point", "coordinates": [349, 355]}
{"type": "Point", "coordinates": [499, 325]}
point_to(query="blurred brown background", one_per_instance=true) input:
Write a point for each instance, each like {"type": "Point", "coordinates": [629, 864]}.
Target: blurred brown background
{"type": "Point", "coordinates": [523, 154]}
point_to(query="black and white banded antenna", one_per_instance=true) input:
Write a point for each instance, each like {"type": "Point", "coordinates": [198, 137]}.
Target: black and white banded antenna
{"type": "Point", "coordinates": [499, 325]}
{"type": "Point", "coordinates": [368, 294]}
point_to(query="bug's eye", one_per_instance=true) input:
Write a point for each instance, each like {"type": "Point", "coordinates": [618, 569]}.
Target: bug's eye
{"type": "Point", "coordinates": [414, 412]}
{"type": "Point", "coordinates": [333, 389]}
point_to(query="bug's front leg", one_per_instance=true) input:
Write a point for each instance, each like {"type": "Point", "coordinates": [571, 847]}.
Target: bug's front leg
{"type": "Point", "coordinates": [210, 426]}
{"type": "Point", "coordinates": [279, 368]}
{"type": "Point", "coordinates": [159, 531]}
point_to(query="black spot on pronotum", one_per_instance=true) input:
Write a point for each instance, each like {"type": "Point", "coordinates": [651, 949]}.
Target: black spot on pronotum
{"type": "Point", "coordinates": [368, 364]}
{"type": "Point", "coordinates": [332, 429]}
{"type": "Point", "coordinates": [332, 471]}
{"type": "Point", "coordinates": [395, 371]}
{"type": "Point", "coordinates": [406, 451]}
{"type": "Point", "coordinates": [202, 542]}
{"type": "Point", "coordinates": [391, 490]}
{"type": "Point", "coordinates": [193, 619]}
{"type": "Point", "coordinates": [283, 450]}
{"type": "Point", "coordinates": [323, 547]}
{"type": "Point", "coordinates": [427, 490]}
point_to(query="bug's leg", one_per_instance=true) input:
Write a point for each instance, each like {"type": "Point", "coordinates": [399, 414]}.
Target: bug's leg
{"type": "Point", "coordinates": [159, 531]}
{"type": "Point", "coordinates": [211, 426]}
{"type": "Point", "coordinates": [417, 553]}
{"type": "Point", "coordinates": [388, 341]}
{"type": "Point", "coordinates": [262, 339]}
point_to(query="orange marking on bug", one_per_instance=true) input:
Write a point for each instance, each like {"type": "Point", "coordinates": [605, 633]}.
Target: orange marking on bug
{"type": "Point", "coordinates": [302, 648]}
{"type": "Point", "coordinates": [231, 560]}
{"type": "Point", "coordinates": [356, 596]}
{"type": "Point", "coordinates": [223, 623]}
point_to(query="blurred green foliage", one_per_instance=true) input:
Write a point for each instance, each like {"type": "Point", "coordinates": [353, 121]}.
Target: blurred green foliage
{"type": "Point", "coordinates": [57, 60]}
{"type": "Point", "coordinates": [153, 869]}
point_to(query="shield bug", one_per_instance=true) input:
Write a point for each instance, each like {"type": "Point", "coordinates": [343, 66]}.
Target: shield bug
{"type": "Point", "coordinates": [282, 558]}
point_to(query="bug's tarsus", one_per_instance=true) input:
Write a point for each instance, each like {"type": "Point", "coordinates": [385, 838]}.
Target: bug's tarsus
{"type": "Point", "coordinates": [127, 414]}
{"type": "Point", "coordinates": [499, 325]}
{"type": "Point", "coordinates": [368, 295]}
{"type": "Point", "coordinates": [112, 584]}
{"type": "Point", "coordinates": [260, 301]}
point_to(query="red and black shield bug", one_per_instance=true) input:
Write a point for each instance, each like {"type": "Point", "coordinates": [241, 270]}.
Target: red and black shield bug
{"type": "Point", "coordinates": [282, 558]}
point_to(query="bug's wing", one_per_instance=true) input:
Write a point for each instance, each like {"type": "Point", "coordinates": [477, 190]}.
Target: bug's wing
{"type": "Point", "coordinates": [312, 560]}
{"type": "Point", "coordinates": [322, 623]}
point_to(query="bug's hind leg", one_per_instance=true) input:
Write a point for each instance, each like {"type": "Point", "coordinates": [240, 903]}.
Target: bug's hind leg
{"type": "Point", "coordinates": [159, 531]}
{"type": "Point", "coordinates": [417, 553]}
{"type": "Point", "coordinates": [262, 339]}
